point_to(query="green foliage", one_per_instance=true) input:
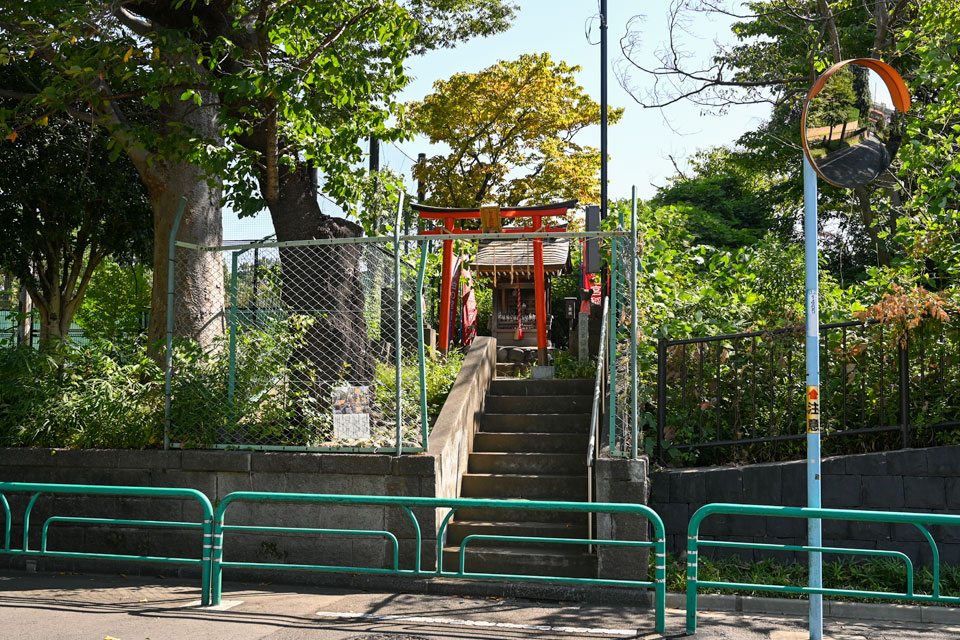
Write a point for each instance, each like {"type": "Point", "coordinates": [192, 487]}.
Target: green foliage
{"type": "Point", "coordinates": [444, 23]}
{"type": "Point", "coordinates": [510, 129]}
{"type": "Point", "coordinates": [65, 207]}
{"type": "Point", "coordinates": [874, 574]}
{"type": "Point", "coordinates": [834, 105]}
{"type": "Point", "coordinates": [931, 150]}
{"type": "Point", "coordinates": [440, 374]}
{"type": "Point", "coordinates": [90, 397]}
{"type": "Point", "coordinates": [116, 301]}
{"type": "Point", "coordinates": [265, 407]}
{"type": "Point", "coordinates": [725, 205]}
{"type": "Point", "coordinates": [569, 367]}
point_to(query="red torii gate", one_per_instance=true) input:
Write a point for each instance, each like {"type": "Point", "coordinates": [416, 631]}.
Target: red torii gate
{"type": "Point", "coordinates": [450, 217]}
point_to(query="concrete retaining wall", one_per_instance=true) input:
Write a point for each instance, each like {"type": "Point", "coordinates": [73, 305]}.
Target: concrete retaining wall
{"type": "Point", "coordinates": [451, 440]}
{"type": "Point", "coordinates": [218, 473]}
{"type": "Point", "coordinates": [923, 480]}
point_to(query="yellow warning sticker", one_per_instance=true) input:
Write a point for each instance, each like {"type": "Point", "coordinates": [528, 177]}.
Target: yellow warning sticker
{"type": "Point", "coordinates": [813, 409]}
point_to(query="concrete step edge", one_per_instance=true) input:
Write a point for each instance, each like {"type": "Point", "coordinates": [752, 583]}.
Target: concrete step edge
{"type": "Point", "coordinates": [552, 476]}
{"type": "Point", "coordinates": [527, 524]}
{"type": "Point", "coordinates": [528, 454]}
{"type": "Point", "coordinates": [507, 550]}
{"type": "Point", "coordinates": [579, 396]}
{"type": "Point", "coordinates": [534, 433]}
{"type": "Point", "coordinates": [555, 416]}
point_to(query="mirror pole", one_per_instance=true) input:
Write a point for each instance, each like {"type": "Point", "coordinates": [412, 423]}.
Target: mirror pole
{"type": "Point", "coordinates": [811, 262]}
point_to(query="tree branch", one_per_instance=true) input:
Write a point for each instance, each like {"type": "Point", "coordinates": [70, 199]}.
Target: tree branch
{"type": "Point", "coordinates": [327, 42]}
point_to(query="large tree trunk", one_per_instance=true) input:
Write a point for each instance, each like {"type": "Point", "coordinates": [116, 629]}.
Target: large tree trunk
{"type": "Point", "coordinates": [198, 275]}
{"type": "Point", "coordinates": [325, 282]}
{"type": "Point", "coordinates": [58, 300]}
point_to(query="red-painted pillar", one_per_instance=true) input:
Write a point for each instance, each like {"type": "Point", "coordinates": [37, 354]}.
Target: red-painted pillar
{"type": "Point", "coordinates": [541, 294]}
{"type": "Point", "coordinates": [448, 225]}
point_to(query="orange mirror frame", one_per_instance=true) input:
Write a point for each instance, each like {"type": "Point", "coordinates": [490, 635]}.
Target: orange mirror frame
{"type": "Point", "coordinates": [899, 94]}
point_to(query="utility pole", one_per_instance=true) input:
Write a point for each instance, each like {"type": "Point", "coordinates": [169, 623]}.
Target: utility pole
{"type": "Point", "coordinates": [374, 154]}
{"type": "Point", "coordinates": [421, 188]}
{"type": "Point", "coordinates": [603, 109]}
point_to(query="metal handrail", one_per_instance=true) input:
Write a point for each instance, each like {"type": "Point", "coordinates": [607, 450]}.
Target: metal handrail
{"type": "Point", "coordinates": [916, 519]}
{"type": "Point", "coordinates": [596, 410]}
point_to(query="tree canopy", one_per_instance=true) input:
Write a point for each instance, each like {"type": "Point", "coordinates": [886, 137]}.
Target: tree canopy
{"type": "Point", "coordinates": [511, 128]}
{"type": "Point", "coordinates": [65, 207]}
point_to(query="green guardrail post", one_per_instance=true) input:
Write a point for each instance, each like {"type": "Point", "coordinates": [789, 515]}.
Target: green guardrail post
{"type": "Point", "coordinates": [421, 350]}
{"type": "Point", "coordinates": [6, 522]}
{"type": "Point", "coordinates": [168, 351]}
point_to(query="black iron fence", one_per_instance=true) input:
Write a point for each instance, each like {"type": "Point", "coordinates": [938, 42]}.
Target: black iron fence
{"type": "Point", "coordinates": [741, 396]}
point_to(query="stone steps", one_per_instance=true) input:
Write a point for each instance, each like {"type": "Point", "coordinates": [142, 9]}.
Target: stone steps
{"type": "Point", "coordinates": [532, 445]}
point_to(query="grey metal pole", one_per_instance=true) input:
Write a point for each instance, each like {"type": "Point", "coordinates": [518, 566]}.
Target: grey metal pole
{"type": "Point", "coordinates": [633, 322]}
{"type": "Point", "coordinates": [603, 109]}
{"type": "Point", "coordinates": [421, 187]}
{"type": "Point", "coordinates": [811, 261]}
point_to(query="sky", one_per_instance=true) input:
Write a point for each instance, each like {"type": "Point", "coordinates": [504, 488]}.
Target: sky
{"type": "Point", "coordinates": [640, 145]}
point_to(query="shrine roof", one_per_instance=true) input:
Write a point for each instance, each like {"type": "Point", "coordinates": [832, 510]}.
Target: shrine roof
{"type": "Point", "coordinates": [516, 256]}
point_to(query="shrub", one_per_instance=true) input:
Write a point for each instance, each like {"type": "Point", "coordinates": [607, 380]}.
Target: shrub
{"type": "Point", "coordinates": [94, 396]}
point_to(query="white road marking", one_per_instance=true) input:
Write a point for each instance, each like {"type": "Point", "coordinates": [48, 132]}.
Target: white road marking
{"type": "Point", "coordinates": [459, 622]}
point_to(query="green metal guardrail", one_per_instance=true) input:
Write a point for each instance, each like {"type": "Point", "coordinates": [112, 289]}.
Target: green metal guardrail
{"type": "Point", "coordinates": [917, 519]}
{"type": "Point", "coordinates": [406, 503]}
{"type": "Point", "coordinates": [39, 489]}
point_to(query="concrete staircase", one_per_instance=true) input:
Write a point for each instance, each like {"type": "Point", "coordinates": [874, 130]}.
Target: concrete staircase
{"type": "Point", "coordinates": [531, 445]}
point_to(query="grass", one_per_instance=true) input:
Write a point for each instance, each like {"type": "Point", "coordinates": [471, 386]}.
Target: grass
{"type": "Point", "coordinates": [832, 146]}
{"type": "Point", "coordinates": [879, 574]}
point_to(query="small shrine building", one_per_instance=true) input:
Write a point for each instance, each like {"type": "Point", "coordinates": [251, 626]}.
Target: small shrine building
{"type": "Point", "coordinates": [526, 267]}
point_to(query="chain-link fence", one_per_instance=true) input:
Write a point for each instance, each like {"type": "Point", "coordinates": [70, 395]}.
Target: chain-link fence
{"type": "Point", "coordinates": [319, 345]}
{"type": "Point", "coordinates": [297, 345]}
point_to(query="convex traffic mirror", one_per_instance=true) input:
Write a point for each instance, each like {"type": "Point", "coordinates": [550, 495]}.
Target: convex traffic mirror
{"type": "Point", "coordinates": [853, 121]}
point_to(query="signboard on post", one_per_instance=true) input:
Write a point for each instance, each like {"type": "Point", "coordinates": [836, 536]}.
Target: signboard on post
{"type": "Point", "coordinates": [351, 413]}
{"type": "Point", "coordinates": [591, 258]}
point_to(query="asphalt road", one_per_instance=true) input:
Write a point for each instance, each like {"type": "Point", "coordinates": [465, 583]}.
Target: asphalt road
{"type": "Point", "coordinates": [855, 165]}
{"type": "Point", "coordinates": [54, 606]}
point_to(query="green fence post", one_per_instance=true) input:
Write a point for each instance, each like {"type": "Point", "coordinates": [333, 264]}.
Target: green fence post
{"type": "Point", "coordinates": [232, 325]}
{"type": "Point", "coordinates": [216, 557]}
{"type": "Point", "coordinates": [168, 351]}
{"type": "Point", "coordinates": [421, 351]}
{"type": "Point", "coordinates": [398, 300]}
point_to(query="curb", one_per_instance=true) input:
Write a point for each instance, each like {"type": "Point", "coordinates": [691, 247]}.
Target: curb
{"type": "Point", "coordinates": [831, 609]}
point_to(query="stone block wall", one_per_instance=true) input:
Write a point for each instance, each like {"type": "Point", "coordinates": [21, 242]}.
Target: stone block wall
{"type": "Point", "coordinates": [922, 480]}
{"type": "Point", "coordinates": [622, 480]}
